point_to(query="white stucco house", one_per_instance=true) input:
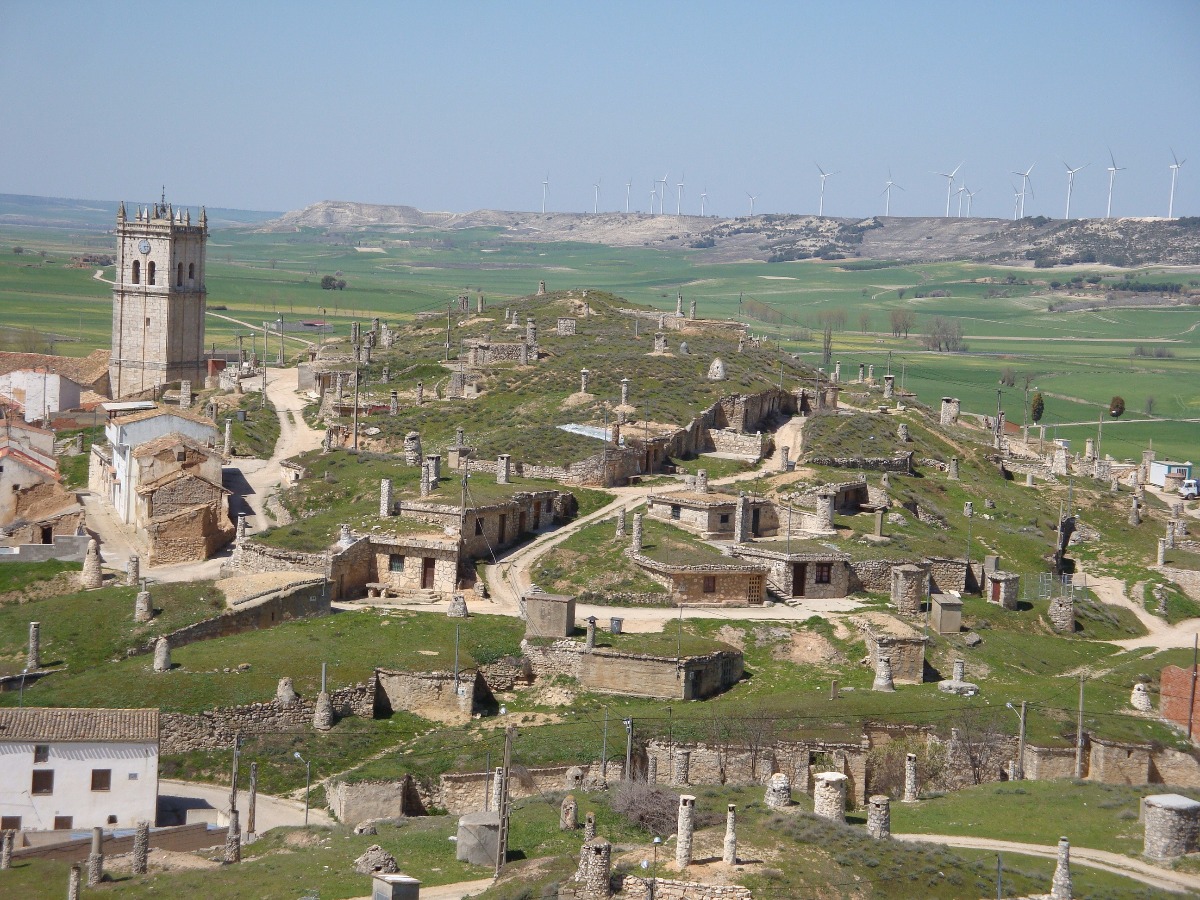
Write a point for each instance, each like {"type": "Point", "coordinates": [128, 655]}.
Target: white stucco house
{"type": "Point", "coordinates": [72, 769]}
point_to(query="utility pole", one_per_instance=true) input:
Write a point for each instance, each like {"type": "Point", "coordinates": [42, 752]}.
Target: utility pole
{"type": "Point", "coordinates": [233, 781]}
{"type": "Point", "coordinates": [1192, 698]}
{"type": "Point", "coordinates": [356, 379]}
{"type": "Point", "coordinates": [1020, 768]}
{"type": "Point", "coordinates": [999, 877]}
{"type": "Point", "coordinates": [604, 750]}
{"type": "Point", "coordinates": [457, 628]}
{"type": "Point", "coordinates": [502, 838]}
{"type": "Point", "coordinates": [1079, 733]}
{"type": "Point", "coordinates": [449, 309]}
{"type": "Point", "coordinates": [628, 773]}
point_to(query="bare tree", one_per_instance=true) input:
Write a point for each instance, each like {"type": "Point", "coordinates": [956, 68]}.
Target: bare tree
{"type": "Point", "coordinates": [827, 346]}
{"type": "Point", "coordinates": [864, 321]}
{"type": "Point", "coordinates": [1149, 405]}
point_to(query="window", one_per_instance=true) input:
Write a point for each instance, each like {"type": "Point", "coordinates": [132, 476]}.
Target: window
{"type": "Point", "coordinates": [724, 518]}
{"type": "Point", "coordinates": [41, 753]}
{"type": "Point", "coordinates": [101, 779]}
{"type": "Point", "coordinates": [10, 823]}
{"type": "Point", "coordinates": [710, 584]}
{"type": "Point", "coordinates": [674, 510]}
{"type": "Point", "coordinates": [479, 526]}
{"type": "Point", "coordinates": [180, 455]}
{"type": "Point", "coordinates": [191, 271]}
{"type": "Point", "coordinates": [112, 820]}
{"type": "Point", "coordinates": [179, 275]}
{"type": "Point", "coordinates": [147, 321]}
{"type": "Point", "coordinates": [137, 271]}
{"type": "Point", "coordinates": [395, 562]}
{"type": "Point", "coordinates": [150, 273]}
{"type": "Point", "coordinates": [824, 573]}
{"type": "Point", "coordinates": [43, 781]}
{"type": "Point", "coordinates": [63, 823]}
{"type": "Point", "coordinates": [133, 776]}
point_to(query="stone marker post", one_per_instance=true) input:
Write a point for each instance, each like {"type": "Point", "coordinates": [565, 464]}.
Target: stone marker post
{"type": "Point", "coordinates": [1162, 552]}
{"type": "Point", "coordinates": [590, 640]}
{"type": "Point", "coordinates": [729, 848]}
{"type": "Point", "coordinates": [73, 881]}
{"type": "Point", "coordinates": [95, 860]}
{"type": "Point", "coordinates": [583, 380]}
{"type": "Point", "coordinates": [637, 532]}
{"type": "Point", "coordinates": [323, 709]}
{"type": "Point", "coordinates": [883, 675]}
{"type": "Point", "coordinates": [133, 571]}
{"type": "Point", "coordinates": [6, 848]}
{"type": "Point", "coordinates": [702, 481]}
{"type": "Point", "coordinates": [739, 520]}
{"type": "Point", "coordinates": [910, 778]}
{"type": "Point", "coordinates": [1060, 886]}
{"type": "Point", "coordinates": [683, 832]}
{"type": "Point", "coordinates": [589, 827]}
{"type": "Point", "coordinates": [385, 497]}
{"type": "Point", "coordinates": [568, 814]}
{"type": "Point", "coordinates": [902, 433]}
{"type": "Point", "coordinates": [624, 391]}
{"type": "Point", "coordinates": [889, 387]}
{"type": "Point", "coordinates": [91, 577]}
{"type": "Point", "coordinates": [503, 469]}
{"type": "Point", "coordinates": [239, 533]}
{"type": "Point", "coordinates": [879, 817]}
{"type": "Point", "coordinates": [141, 847]}
{"type": "Point", "coordinates": [228, 438]}
{"type": "Point", "coordinates": [143, 608]}
{"type": "Point", "coordinates": [952, 469]}
{"type": "Point", "coordinates": [621, 522]}
{"type": "Point", "coordinates": [784, 453]}
{"type": "Point", "coordinates": [233, 840]}
{"type": "Point", "coordinates": [162, 655]}
{"type": "Point", "coordinates": [394, 403]}
{"type": "Point", "coordinates": [33, 654]}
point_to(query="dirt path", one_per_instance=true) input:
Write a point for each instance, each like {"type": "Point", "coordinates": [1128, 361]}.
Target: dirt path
{"type": "Point", "coordinates": [1161, 635]}
{"type": "Point", "coordinates": [269, 811]}
{"type": "Point", "coordinates": [1116, 863]}
{"type": "Point", "coordinates": [266, 332]}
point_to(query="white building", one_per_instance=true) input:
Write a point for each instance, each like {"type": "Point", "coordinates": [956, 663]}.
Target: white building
{"type": "Point", "coordinates": [111, 468]}
{"type": "Point", "coordinates": [39, 393]}
{"type": "Point", "coordinates": [67, 769]}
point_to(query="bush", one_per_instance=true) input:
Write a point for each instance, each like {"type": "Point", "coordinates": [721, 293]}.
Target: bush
{"type": "Point", "coordinates": [648, 806]}
{"type": "Point", "coordinates": [1116, 406]}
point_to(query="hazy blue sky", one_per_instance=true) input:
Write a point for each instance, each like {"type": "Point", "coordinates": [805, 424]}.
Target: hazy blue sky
{"type": "Point", "coordinates": [458, 106]}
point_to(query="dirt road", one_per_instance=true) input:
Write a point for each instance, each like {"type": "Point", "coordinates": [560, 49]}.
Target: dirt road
{"type": "Point", "coordinates": [1165, 879]}
{"type": "Point", "coordinates": [269, 811]}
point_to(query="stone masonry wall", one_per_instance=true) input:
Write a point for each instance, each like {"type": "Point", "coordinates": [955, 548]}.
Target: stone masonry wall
{"type": "Point", "coordinates": [215, 729]}
{"type": "Point", "coordinates": [670, 889]}
{"type": "Point", "coordinates": [432, 695]}
{"type": "Point", "coordinates": [250, 558]}
{"type": "Point", "coordinates": [360, 801]}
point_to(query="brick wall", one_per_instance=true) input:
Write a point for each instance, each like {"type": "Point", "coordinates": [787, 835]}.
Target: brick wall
{"type": "Point", "coordinates": [1174, 693]}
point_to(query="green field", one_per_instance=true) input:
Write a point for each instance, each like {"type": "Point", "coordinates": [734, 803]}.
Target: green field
{"type": "Point", "coordinates": [1079, 359]}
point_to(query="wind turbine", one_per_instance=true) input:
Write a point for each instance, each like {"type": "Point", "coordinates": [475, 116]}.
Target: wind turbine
{"type": "Point", "coordinates": [1071, 185]}
{"type": "Point", "coordinates": [545, 188]}
{"type": "Point", "coordinates": [823, 176]}
{"type": "Point", "coordinates": [961, 190]}
{"type": "Point", "coordinates": [1026, 186]}
{"type": "Point", "coordinates": [949, 176]}
{"type": "Point", "coordinates": [887, 206]}
{"type": "Point", "coordinates": [628, 186]}
{"type": "Point", "coordinates": [653, 194]}
{"type": "Point", "coordinates": [679, 196]}
{"type": "Point", "coordinates": [752, 197]}
{"type": "Point", "coordinates": [1112, 173]}
{"type": "Point", "coordinates": [1018, 198]}
{"type": "Point", "coordinates": [970, 198]}
{"type": "Point", "coordinates": [596, 204]}
{"type": "Point", "coordinates": [1174, 171]}
{"type": "Point", "coordinates": [703, 200]}
{"type": "Point", "coordinates": [662, 197]}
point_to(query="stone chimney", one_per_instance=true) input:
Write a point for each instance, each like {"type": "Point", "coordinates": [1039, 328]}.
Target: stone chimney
{"type": "Point", "coordinates": [637, 533]}
{"type": "Point", "coordinates": [503, 469]}
{"type": "Point", "coordinates": [33, 654]}
{"type": "Point", "coordinates": [385, 497]}
{"type": "Point", "coordinates": [684, 831]}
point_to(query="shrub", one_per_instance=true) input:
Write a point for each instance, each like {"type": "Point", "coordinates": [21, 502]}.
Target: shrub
{"type": "Point", "coordinates": [648, 806]}
{"type": "Point", "coordinates": [1116, 406]}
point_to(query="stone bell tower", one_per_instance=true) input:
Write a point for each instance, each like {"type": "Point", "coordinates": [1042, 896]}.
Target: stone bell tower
{"type": "Point", "coordinates": [158, 300]}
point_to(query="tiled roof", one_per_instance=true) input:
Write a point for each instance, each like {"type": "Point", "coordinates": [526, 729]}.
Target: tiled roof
{"type": "Point", "coordinates": [83, 370]}
{"type": "Point", "coordinates": [106, 725]}
{"type": "Point", "coordinates": [165, 411]}
{"type": "Point", "coordinates": [167, 441]}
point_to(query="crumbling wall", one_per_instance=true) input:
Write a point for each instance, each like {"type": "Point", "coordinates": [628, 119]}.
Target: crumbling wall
{"type": "Point", "coordinates": [361, 801]}
{"type": "Point", "coordinates": [432, 695]}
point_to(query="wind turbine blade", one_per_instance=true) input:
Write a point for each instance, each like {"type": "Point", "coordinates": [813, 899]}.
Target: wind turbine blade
{"type": "Point", "coordinates": [896, 185]}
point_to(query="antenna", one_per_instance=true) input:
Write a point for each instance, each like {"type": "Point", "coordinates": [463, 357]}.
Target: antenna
{"type": "Point", "coordinates": [1071, 184]}
{"type": "Point", "coordinates": [1174, 172]}
{"type": "Point", "coordinates": [949, 176]}
{"type": "Point", "coordinates": [1026, 186]}
{"type": "Point", "coordinates": [1113, 173]}
{"type": "Point", "coordinates": [823, 176]}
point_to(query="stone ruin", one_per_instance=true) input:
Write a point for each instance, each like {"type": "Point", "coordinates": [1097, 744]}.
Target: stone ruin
{"type": "Point", "coordinates": [779, 792]}
{"type": "Point", "coordinates": [1172, 826]}
{"type": "Point", "coordinates": [950, 411]}
{"type": "Point", "coordinates": [594, 874]}
{"type": "Point", "coordinates": [376, 861]}
{"type": "Point", "coordinates": [568, 814]}
{"type": "Point", "coordinates": [879, 816]}
{"type": "Point", "coordinates": [908, 588]}
{"type": "Point", "coordinates": [285, 693]}
{"type": "Point", "coordinates": [716, 370]}
{"type": "Point", "coordinates": [91, 577]}
{"type": "Point", "coordinates": [412, 448]}
{"type": "Point", "coordinates": [829, 796]}
{"type": "Point", "coordinates": [458, 607]}
{"type": "Point", "coordinates": [1062, 614]}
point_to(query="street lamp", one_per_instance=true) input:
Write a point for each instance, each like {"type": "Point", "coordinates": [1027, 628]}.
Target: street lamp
{"type": "Point", "coordinates": [654, 874]}
{"type": "Point", "coordinates": [307, 782]}
{"type": "Point", "coordinates": [1019, 766]}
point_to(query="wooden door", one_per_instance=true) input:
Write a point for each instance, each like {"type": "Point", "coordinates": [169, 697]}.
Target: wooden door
{"type": "Point", "coordinates": [799, 577]}
{"type": "Point", "coordinates": [427, 567]}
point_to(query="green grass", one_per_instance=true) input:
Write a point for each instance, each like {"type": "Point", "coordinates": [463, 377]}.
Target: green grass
{"type": "Point", "coordinates": [1097, 816]}
{"type": "Point", "coordinates": [257, 435]}
{"type": "Point", "coordinates": [22, 576]}
{"type": "Point", "coordinates": [84, 632]}
{"type": "Point", "coordinates": [593, 560]}
{"type": "Point", "coordinates": [352, 643]}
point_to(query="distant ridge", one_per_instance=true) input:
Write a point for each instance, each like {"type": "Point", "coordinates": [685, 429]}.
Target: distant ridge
{"type": "Point", "coordinates": [101, 215]}
{"type": "Point", "coordinates": [780, 238]}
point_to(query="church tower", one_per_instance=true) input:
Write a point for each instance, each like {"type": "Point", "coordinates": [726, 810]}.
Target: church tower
{"type": "Point", "coordinates": [158, 300]}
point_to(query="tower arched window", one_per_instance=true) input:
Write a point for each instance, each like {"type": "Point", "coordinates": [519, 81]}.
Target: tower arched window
{"type": "Point", "coordinates": [179, 275]}
{"type": "Point", "coordinates": [191, 271]}
{"type": "Point", "coordinates": [137, 271]}
{"type": "Point", "coordinates": [150, 273]}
